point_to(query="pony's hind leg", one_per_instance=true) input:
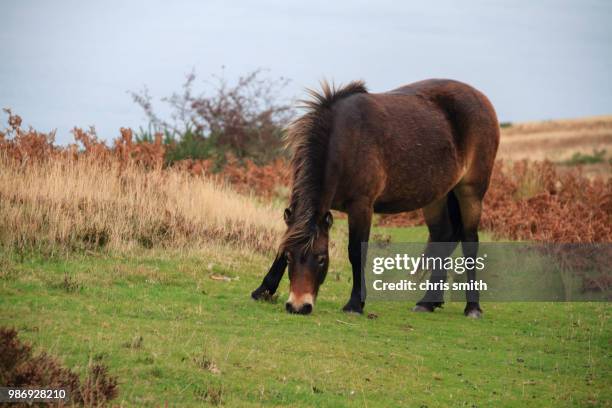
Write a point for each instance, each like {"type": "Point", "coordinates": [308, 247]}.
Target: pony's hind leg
{"type": "Point", "coordinates": [470, 202]}
{"type": "Point", "coordinates": [443, 222]}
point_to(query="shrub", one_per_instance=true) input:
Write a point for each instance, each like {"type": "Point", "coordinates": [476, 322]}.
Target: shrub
{"type": "Point", "coordinates": [243, 119]}
{"type": "Point", "coordinates": [21, 369]}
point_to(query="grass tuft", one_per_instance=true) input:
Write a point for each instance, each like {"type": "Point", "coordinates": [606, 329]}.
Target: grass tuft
{"type": "Point", "coordinates": [135, 343]}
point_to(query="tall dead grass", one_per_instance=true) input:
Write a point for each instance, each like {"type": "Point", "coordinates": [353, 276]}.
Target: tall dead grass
{"type": "Point", "coordinates": [68, 203]}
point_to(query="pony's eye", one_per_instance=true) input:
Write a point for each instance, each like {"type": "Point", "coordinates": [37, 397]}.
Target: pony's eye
{"type": "Point", "coordinates": [288, 256]}
{"type": "Point", "coordinates": [321, 260]}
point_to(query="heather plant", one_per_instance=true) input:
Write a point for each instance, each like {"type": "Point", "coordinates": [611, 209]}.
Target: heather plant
{"type": "Point", "coordinates": [21, 368]}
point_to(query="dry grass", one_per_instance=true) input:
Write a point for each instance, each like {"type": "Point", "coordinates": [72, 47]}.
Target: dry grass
{"type": "Point", "coordinates": [559, 140]}
{"type": "Point", "coordinates": [77, 203]}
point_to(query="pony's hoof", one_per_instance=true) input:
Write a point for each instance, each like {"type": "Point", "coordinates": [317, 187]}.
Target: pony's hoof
{"type": "Point", "coordinates": [261, 293]}
{"type": "Point", "coordinates": [473, 314]}
{"type": "Point", "coordinates": [353, 307]}
{"type": "Point", "coordinates": [427, 306]}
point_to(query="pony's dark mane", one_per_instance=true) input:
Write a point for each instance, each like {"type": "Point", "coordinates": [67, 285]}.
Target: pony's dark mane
{"type": "Point", "coordinates": [308, 137]}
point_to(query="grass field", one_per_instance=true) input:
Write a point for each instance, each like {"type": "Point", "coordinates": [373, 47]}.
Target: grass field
{"type": "Point", "coordinates": [560, 140]}
{"type": "Point", "coordinates": [149, 272]}
{"type": "Point", "coordinates": [172, 333]}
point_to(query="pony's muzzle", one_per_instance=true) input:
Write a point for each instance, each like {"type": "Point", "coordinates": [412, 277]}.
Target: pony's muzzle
{"type": "Point", "coordinates": [305, 309]}
{"type": "Point", "coordinates": [299, 305]}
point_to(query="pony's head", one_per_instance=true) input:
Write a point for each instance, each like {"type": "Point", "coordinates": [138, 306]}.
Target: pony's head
{"type": "Point", "coordinates": [306, 249]}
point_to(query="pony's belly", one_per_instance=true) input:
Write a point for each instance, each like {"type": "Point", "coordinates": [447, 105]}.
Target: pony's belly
{"type": "Point", "coordinates": [394, 207]}
{"type": "Point", "coordinates": [412, 196]}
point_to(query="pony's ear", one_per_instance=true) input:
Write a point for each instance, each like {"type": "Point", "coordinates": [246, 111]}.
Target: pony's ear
{"type": "Point", "coordinates": [287, 215]}
{"type": "Point", "coordinates": [328, 220]}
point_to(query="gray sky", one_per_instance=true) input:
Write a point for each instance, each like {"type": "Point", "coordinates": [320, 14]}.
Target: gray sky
{"type": "Point", "coordinates": [67, 63]}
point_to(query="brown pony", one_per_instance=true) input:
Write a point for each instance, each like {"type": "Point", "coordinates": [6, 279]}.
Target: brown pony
{"type": "Point", "coordinates": [429, 145]}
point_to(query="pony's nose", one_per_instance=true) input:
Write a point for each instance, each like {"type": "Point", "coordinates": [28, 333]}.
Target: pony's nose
{"type": "Point", "coordinates": [304, 309]}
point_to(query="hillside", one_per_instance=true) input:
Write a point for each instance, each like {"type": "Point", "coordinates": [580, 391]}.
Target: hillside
{"type": "Point", "coordinates": [560, 140]}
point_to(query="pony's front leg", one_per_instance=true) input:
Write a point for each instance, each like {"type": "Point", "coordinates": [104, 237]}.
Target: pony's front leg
{"type": "Point", "coordinates": [360, 218]}
{"type": "Point", "coordinates": [272, 279]}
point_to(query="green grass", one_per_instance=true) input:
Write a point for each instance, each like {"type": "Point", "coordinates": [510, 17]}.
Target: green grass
{"type": "Point", "coordinates": [172, 334]}
{"type": "Point", "coordinates": [578, 158]}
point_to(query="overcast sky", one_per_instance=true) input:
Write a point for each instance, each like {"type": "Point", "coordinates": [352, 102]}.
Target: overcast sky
{"type": "Point", "coordinates": [67, 63]}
